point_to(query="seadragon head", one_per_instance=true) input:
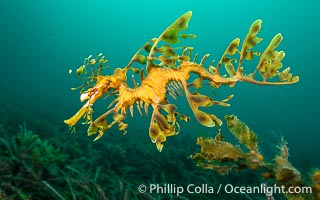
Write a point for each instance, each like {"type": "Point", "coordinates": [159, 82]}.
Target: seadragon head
{"type": "Point", "coordinates": [95, 85]}
{"type": "Point", "coordinates": [104, 84]}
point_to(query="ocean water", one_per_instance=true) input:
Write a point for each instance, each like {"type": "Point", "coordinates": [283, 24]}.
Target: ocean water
{"type": "Point", "coordinates": [42, 40]}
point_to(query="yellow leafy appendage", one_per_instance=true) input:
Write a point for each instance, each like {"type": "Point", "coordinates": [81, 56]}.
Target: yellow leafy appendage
{"type": "Point", "coordinates": [168, 68]}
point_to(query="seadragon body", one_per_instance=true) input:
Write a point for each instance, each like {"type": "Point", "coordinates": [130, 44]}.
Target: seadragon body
{"type": "Point", "coordinates": [169, 72]}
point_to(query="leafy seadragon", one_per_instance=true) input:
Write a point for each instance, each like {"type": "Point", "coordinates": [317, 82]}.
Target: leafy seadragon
{"type": "Point", "coordinates": [169, 68]}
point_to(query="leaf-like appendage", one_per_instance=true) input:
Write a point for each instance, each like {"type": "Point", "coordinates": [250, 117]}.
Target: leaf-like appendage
{"type": "Point", "coordinates": [270, 61]}
{"type": "Point", "coordinates": [171, 36]}
{"type": "Point", "coordinates": [163, 126]}
{"type": "Point", "coordinates": [269, 64]}
{"type": "Point", "coordinates": [166, 50]}
{"type": "Point", "coordinates": [185, 36]}
{"type": "Point", "coordinates": [197, 100]}
{"type": "Point", "coordinates": [140, 59]}
{"type": "Point", "coordinates": [100, 125]}
{"type": "Point", "coordinates": [230, 50]}
{"type": "Point", "coordinates": [287, 77]}
{"type": "Point", "coordinates": [168, 56]}
{"type": "Point", "coordinates": [250, 41]}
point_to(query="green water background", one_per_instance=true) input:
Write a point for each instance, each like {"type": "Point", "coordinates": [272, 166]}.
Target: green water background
{"type": "Point", "coordinates": [41, 40]}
